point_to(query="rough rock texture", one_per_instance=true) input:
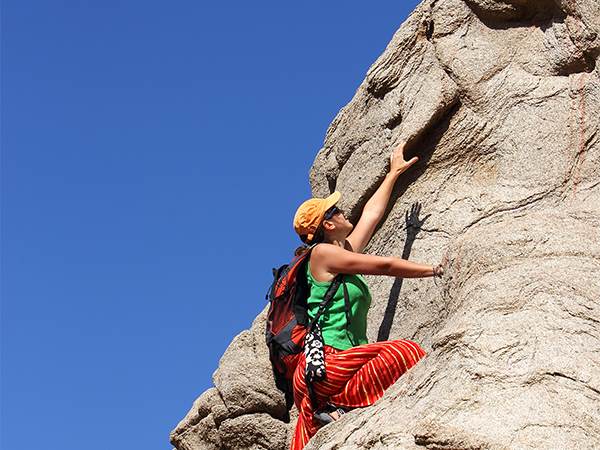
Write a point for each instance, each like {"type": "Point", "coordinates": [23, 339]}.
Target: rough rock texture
{"type": "Point", "coordinates": [244, 410]}
{"type": "Point", "coordinates": [500, 100]}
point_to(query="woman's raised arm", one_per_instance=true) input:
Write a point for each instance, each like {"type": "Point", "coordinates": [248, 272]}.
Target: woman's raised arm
{"type": "Point", "coordinates": [375, 207]}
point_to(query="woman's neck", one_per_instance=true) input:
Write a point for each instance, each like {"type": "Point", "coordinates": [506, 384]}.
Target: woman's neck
{"type": "Point", "coordinates": [339, 241]}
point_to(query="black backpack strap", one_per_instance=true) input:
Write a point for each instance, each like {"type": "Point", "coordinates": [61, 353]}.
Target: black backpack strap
{"type": "Point", "coordinates": [346, 303]}
{"type": "Point", "coordinates": [335, 284]}
{"type": "Point", "coordinates": [348, 312]}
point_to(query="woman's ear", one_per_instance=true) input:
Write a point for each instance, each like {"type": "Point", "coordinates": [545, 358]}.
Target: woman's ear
{"type": "Point", "coordinates": [328, 225]}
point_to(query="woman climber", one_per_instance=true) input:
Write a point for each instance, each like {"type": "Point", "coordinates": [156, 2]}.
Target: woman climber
{"type": "Point", "coordinates": [358, 373]}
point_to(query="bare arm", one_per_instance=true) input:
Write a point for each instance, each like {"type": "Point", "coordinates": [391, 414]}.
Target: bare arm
{"type": "Point", "coordinates": [334, 259]}
{"type": "Point", "coordinates": [375, 207]}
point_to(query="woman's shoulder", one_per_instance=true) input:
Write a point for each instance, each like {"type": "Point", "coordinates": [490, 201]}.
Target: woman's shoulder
{"type": "Point", "coordinates": [323, 252]}
{"type": "Point", "coordinates": [316, 261]}
{"type": "Point", "coordinates": [322, 247]}
{"type": "Point", "coordinates": [320, 255]}
{"type": "Point", "coordinates": [320, 252]}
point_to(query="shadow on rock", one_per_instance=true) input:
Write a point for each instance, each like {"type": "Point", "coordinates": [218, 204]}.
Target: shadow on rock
{"type": "Point", "coordinates": [413, 226]}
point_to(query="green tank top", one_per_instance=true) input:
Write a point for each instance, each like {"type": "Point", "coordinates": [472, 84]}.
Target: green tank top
{"type": "Point", "coordinates": [333, 321]}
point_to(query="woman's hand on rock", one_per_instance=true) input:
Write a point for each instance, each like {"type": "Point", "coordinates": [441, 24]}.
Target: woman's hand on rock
{"type": "Point", "coordinates": [397, 162]}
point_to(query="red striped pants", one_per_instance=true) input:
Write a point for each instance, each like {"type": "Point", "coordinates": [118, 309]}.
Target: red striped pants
{"type": "Point", "coordinates": [356, 377]}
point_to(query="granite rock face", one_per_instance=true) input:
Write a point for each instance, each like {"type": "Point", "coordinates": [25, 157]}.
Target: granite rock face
{"type": "Point", "coordinates": [500, 101]}
{"type": "Point", "coordinates": [244, 410]}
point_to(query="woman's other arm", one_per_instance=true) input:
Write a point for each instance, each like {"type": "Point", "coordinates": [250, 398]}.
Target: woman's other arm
{"type": "Point", "coordinates": [334, 259]}
{"type": "Point", "coordinates": [375, 207]}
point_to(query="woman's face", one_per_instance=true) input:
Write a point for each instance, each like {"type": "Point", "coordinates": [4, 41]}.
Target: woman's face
{"type": "Point", "coordinates": [341, 223]}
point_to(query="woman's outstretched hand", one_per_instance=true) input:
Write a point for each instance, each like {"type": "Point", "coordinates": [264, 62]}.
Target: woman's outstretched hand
{"type": "Point", "coordinates": [397, 162]}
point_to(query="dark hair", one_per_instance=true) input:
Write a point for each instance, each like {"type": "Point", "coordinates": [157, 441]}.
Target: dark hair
{"type": "Point", "coordinates": [318, 237]}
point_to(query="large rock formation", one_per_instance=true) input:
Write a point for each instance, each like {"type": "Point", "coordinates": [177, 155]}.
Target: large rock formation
{"type": "Point", "coordinates": [500, 100]}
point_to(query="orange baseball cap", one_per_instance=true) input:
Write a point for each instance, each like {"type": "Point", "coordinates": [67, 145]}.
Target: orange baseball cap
{"type": "Point", "coordinates": [310, 214]}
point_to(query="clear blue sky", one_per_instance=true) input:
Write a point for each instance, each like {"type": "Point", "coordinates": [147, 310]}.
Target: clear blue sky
{"type": "Point", "coordinates": [153, 155]}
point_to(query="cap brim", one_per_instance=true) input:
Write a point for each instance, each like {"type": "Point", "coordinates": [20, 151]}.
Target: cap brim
{"type": "Point", "coordinates": [332, 200]}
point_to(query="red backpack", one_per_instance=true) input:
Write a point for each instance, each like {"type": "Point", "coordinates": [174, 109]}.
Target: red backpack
{"type": "Point", "coordinates": [287, 318]}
